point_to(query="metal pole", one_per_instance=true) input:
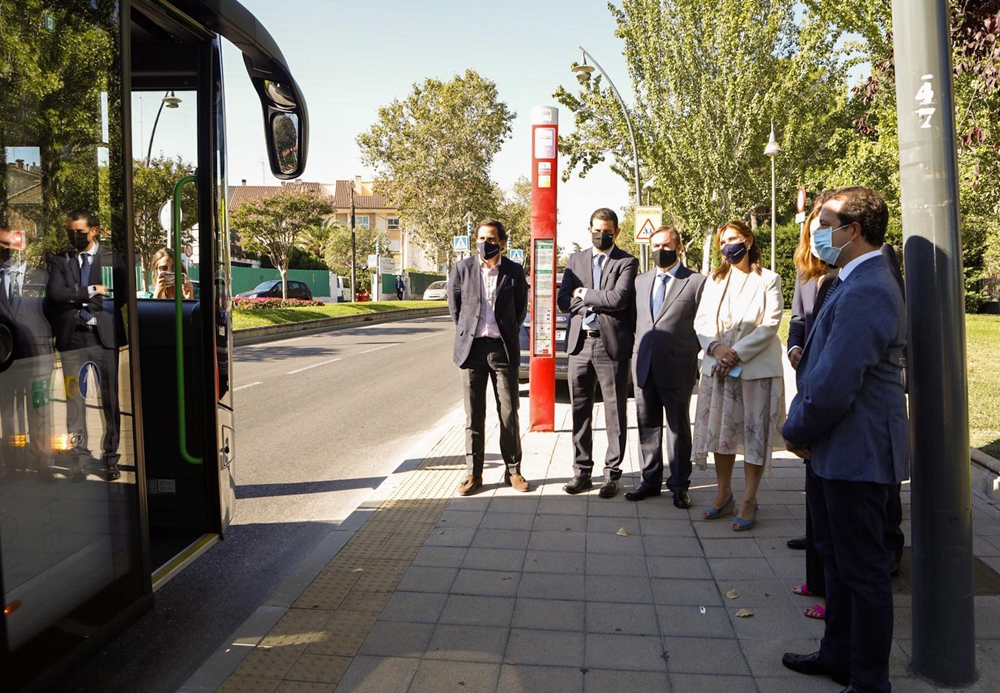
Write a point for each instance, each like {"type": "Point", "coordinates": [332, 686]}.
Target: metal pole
{"type": "Point", "coordinates": [944, 646]}
{"type": "Point", "coordinates": [643, 258]}
{"type": "Point", "coordinates": [156, 122]}
{"type": "Point", "coordinates": [774, 211]}
{"type": "Point", "coordinates": [354, 252]}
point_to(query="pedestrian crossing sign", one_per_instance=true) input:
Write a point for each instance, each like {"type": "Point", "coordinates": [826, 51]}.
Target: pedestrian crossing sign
{"type": "Point", "coordinates": [647, 220]}
{"type": "Point", "coordinates": [461, 244]}
{"type": "Point", "coordinates": [516, 255]}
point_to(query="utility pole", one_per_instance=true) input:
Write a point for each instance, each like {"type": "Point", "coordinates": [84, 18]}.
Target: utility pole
{"type": "Point", "coordinates": [354, 251]}
{"type": "Point", "coordinates": [944, 644]}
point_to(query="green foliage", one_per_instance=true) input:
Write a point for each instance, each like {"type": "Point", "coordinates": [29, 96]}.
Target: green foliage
{"type": "Point", "coordinates": [787, 240]}
{"type": "Point", "coordinates": [432, 153]}
{"type": "Point", "coordinates": [337, 251]}
{"type": "Point", "coordinates": [514, 210]}
{"type": "Point", "coordinates": [152, 185]}
{"type": "Point", "coordinates": [305, 260]}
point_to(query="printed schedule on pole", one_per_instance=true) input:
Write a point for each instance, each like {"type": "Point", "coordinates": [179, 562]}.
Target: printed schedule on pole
{"type": "Point", "coordinates": [543, 284]}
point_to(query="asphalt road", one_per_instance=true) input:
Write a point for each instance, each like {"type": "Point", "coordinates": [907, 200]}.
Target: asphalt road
{"type": "Point", "coordinates": [321, 421]}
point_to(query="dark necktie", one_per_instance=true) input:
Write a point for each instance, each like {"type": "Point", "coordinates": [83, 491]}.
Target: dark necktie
{"type": "Point", "coordinates": [84, 316]}
{"type": "Point", "coordinates": [837, 281]}
{"type": "Point", "coordinates": [6, 283]}
{"type": "Point", "coordinates": [660, 294]}
{"type": "Point", "coordinates": [591, 319]}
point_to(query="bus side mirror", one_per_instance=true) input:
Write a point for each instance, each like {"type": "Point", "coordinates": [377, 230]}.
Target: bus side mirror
{"type": "Point", "coordinates": [286, 127]}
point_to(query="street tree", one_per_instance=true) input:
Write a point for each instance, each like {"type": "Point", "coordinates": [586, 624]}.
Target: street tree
{"type": "Point", "coordinates": [432, 151]}
{"type": "Point", "coordinates": [274, 225]}
{"type": "Point", "coordinates": [152, 186]}
{"type": "Point", "coordinates": [337, 250]}
{"type": "Point", "coordinates": [514, 210]}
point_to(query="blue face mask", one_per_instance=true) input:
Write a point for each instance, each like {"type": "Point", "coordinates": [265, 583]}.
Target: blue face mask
{"type": "Point", "coordinates": [821, 243]}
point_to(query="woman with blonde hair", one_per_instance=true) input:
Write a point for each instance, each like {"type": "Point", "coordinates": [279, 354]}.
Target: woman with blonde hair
{"type": "Point", "coordinates": [163, 277]}
{"type": "Point", "coordinates": [741, 396]}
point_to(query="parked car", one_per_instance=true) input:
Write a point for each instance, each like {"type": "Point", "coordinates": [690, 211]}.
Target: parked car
{"type": "Point", "coordinates": [438, 291]}
{"type": "Point", "coordinates": [272, 289]}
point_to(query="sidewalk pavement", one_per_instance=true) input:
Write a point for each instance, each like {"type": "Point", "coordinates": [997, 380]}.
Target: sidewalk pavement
{"type": "Point", "coordinates": [545, 592]}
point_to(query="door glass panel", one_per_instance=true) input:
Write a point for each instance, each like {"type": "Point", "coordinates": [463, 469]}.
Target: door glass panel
{"type": "Point", "coordinates": [70, 556]}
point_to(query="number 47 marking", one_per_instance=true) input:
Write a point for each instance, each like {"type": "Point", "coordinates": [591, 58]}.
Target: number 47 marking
{"type": "Point", "coordinates": [925, 96]}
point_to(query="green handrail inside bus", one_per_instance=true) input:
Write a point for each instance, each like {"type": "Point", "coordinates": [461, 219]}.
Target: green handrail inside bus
{"type": "Point", "coordinates": [179, 320]}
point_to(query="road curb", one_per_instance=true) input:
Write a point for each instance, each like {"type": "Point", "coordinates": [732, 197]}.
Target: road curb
{"type": "Point", "coordinates": [214, 671]}
{"type": "Point", "coordinates": [268, 333]}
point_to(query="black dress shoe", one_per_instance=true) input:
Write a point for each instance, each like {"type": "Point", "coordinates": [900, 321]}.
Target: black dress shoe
{"type": "Point", "coordinates": [578, 485]}
{"type": "Point", "coordinates": [114, 473]}
{"type": "Point", "coordinates": [811, 665]}
{"type": "Point", "coordinates": [798, 543]}
{"type": "Point", "coordinates": [642, 493]}
{"type": "Point", "coordinates": [682, 500]}
{"type": "Point", "coordinates": [609, 489]}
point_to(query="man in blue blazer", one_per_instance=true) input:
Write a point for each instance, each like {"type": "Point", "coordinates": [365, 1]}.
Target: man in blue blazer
{"type": "Point", "coordinates": [849, 417]}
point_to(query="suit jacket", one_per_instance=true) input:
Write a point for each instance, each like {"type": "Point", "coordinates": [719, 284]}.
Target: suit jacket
{"type": "Point", "coordinates": [758, 315]}
{"type": "Point", "coordinates": [465, 300]}
{"type": "Point", "coordinates": [850, 410]}
{"type": "Point", "coordinates": [66, 297]}
{"type": "Point", "coordinates": [613, 301]}
{"type": "Point", "coordinates": [26, 316]}
{"type": "Point", "coordinates": [666, 345]}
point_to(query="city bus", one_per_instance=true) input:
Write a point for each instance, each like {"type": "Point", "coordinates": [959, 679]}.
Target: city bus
{"type": "Point", "coordinates": [118, 454]}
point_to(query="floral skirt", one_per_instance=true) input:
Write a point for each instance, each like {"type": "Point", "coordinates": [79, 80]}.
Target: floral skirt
{"type": "Point", "coordinates": [736, 416]}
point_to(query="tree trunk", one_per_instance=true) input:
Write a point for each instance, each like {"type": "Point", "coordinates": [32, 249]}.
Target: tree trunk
{"type": "Point", "coordinates": [706, 253]}
{"type": "Point", "coordinates": [284, 281]}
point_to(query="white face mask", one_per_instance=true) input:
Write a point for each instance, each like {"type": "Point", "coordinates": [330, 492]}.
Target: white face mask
{"type": "Point", "coordinates": [821, 244]}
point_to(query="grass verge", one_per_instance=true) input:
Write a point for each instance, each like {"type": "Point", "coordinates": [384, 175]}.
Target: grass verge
{"type": "Point", "coordinates": [277, 316]}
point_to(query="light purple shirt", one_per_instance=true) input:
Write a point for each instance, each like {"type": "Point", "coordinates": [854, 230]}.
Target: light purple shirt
{"type": "Point", "coordinates": [487, 325]}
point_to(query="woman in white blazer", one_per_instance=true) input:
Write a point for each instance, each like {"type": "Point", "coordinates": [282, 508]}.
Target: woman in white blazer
{"type": "Point", "coordinates": [741, 396]}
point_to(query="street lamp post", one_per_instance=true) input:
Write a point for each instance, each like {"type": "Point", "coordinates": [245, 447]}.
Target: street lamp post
{"type": "Point", "coordinates": [170, 100]}
{"type": "Point", "coordinates": [354, 252]}
{"type": "Point", "coordinates": [583, 72]}
{"type": "Point", "coordinates": [772, 150]}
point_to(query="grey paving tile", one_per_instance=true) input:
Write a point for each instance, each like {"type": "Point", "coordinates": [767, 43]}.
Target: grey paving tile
{"type": "Point", "coordinates": [521, 678]}
{"type": "Point", "coordinates": [789, 568]}
{"type": "Point", "coordinates": [661, 509]}
{"type": "Point", "coordinates": [545, 647]}
{"type": "Point", "coordinates": [549, 614]}
{"type": "Point", "coordinates": [477, 503]}
{"type": "Point", "coordinates": [628, 619]}
{"type": "Point", "coordinates": [460, 518]}
{"type": "Point", "coordinates": [514, 505]}
{"type": "Point", "coordinates": [559, 523]}
{"type": "Point", "coordinates": [440, 556]}
{"type": "Point", "coordinates": [470, 610]}
{"type": "Point", "coordinates": [625, 590]}
{"type": "Point", "coordinates": [467, 643]}
{"type": "Point", "coordinates": [426, 579]}
{"type": "Point", "coordinates": [494, 559]}
{"type": "Point", "coordinates": [704, 656]}
{"type": "Point", "coordinates": [500, 539]}
{"type": "Point", "coordinates": [612, 543]}
{"type": "Point", "coordinates": [488, 583]}
{"type": "Point", "coordinates": [414, 607]}
{"type": "Point", "coordinates": [393, 639]}
{"type": "Point", "coordinates": [613, 507]}
{"type": "Point", "coordinates": [552, 562]}
{"type": "Point", "coordinates": [627, 652]}
{"type": "Point", "coordinates": [729, 569]}
{"type": "Point", "coordinates": [379, 675]}
{"type": "Point", "coordinates": [672, 547]}
{"type": "Point", "coordinates": [731, 548]}
{"type": "Point", "coordinates": [703, 683]}
{"type": "Point", "coordinates": [659, 527]}
{"type": "Point", "coordinates": [514, 521]}
{"type": "Point", "coordinates": [563, 505]}
{"type": "Point", "coordinates": [608, 681]}
{"type": "Point", "coordinates": [624, 565]}
{"type": "Point", "coordinates": [764, 655]}
{"type": "Point", "coordinates": [464, 677]}
{"type": "Point", "coordinates": [686, 567]}
{"type": "Point", "coordinates": [753, 593]}
{"type": "Point", "coordinates": [679, 592]}
{"type": "Point", "coordinates": [770, 622]}
{"type": "Point", "coordinates": [611, 525]}
{"type": "Point", "coordinates": [558, 541]}
{"type": "Point", "coordinates": [551, 586]}
{"type": "Point", "coordinates": [689, 622]}
{"type": "Point", "coordinates": [450, 536]}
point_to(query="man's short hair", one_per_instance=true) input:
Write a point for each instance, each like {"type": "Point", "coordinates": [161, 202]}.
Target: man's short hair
{"type": "Point", "coordinates": [78, 214]}
{"type": "Point", "coordinates": [494, 223]}
{"type": "Point", "coordinates": [867, 208]}
{"type": "Point", "coordinates": [604, 214]}
{"type": "Point", "coordinates": [672, 231]}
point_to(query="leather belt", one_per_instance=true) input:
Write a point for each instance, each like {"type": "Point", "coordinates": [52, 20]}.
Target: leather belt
{"type": "Point", "coordinates": [84, 327]}
{"type": "Point", "coordinates": [592, 334]}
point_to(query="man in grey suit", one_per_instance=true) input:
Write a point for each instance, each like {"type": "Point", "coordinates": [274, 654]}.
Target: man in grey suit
{"type": "Point", "coordinates": [665, 363]}
{"type": "Point", "coordinates": [849, 418]}
{"type": "Point", "coordinates": [488, 299]}
{"type": "Point", "coordinates": [598, 291]}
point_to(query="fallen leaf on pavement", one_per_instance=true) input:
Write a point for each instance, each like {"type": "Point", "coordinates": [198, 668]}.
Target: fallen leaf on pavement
{"type": "Point", "coordinates": [732, 594]}
{"type": "Point", "coordinates": [622, 532]}
{"type": "Point", "coordinates": [744, 613]}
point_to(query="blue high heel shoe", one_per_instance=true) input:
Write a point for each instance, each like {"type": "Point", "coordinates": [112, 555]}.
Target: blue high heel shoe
{"type": "Point", "coordinates": [711, 513]}
{"type": "Point", "coordinates": [743, 525]}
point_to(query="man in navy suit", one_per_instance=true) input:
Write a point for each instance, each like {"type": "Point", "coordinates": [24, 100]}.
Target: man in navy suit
{"type": "Point", "coordinates": [665, 363]}
{"type": "Point", "coordinates": [488, 299]}
{"type": "Point", "coordinates": [849, 417]}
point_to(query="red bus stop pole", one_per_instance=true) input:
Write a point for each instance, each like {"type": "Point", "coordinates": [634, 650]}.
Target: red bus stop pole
{"type": "Point", "coordinates": [542, 369]}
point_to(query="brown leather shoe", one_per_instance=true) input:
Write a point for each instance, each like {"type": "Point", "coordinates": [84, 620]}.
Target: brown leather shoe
{"type": "Point", "coordinates": [470, 484]}
{"type": "Point", "coordinates": [518, 482]}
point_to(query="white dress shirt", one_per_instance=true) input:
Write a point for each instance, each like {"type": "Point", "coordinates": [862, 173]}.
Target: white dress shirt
{"type": "Point", "coordinates": [852, 265]}
{"type": "Point", "coordinates": [487, 325]}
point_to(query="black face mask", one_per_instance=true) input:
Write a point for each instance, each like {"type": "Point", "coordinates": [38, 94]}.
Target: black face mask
{"type": "Point", "coordinates": [78, 239]}
{"type": "Point", "coordinates": [487, 250]}
{"type": "Point", "coordinates": [663, 258]}
{"type": "Point", "coordinates": [603, 240]}
{"type": "Point", "coordinates": [5, 255]}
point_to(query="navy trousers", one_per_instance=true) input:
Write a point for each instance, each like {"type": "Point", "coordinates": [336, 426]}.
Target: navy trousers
{"type": "Point", "coordinates": [849, 520]}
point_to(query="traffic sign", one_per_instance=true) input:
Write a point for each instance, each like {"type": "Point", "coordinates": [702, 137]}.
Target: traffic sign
{"type": "Point", "coordinates": [647, 220]}
{"type": "Point", "coordinates": [800, 200]}
{"type": "Point", "coordinates": [516, 255]}
{"type": "Point", "coordinates": [461, 244]}
{"type": "Point", "coordinates": [372, 261]}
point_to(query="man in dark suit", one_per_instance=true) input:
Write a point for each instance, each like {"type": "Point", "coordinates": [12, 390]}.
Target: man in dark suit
{"type": "Point", "coordinates": [88, 329]}
{"type": "Point", "coordinates": [488, 299]}
{"type": "Point", "coordinates": [665, 363]}
{"type": "Point", "coordinates": [849, 418]}
{"type": "Point", "coordinates": [598, 291]}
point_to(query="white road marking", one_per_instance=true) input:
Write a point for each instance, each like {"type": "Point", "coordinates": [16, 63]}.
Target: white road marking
{"type": "Point", "coordinates": [427, 336]}
{"type": "Point", "coordinates": [384, 346]}
{"type": "Point", "coordinates": [315, 365]}
{"type": "Point", "coordinates": [244, 387]}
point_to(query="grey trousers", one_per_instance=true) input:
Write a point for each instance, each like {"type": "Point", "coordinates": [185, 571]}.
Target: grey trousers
{"type": "Point", "coordinates": [586, 369]}
{"type": "Point", "coordinates": [488, 362]}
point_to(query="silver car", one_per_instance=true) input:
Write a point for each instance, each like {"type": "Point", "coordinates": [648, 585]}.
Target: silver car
{"type": "Point", "coordinates": [438, 291]}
